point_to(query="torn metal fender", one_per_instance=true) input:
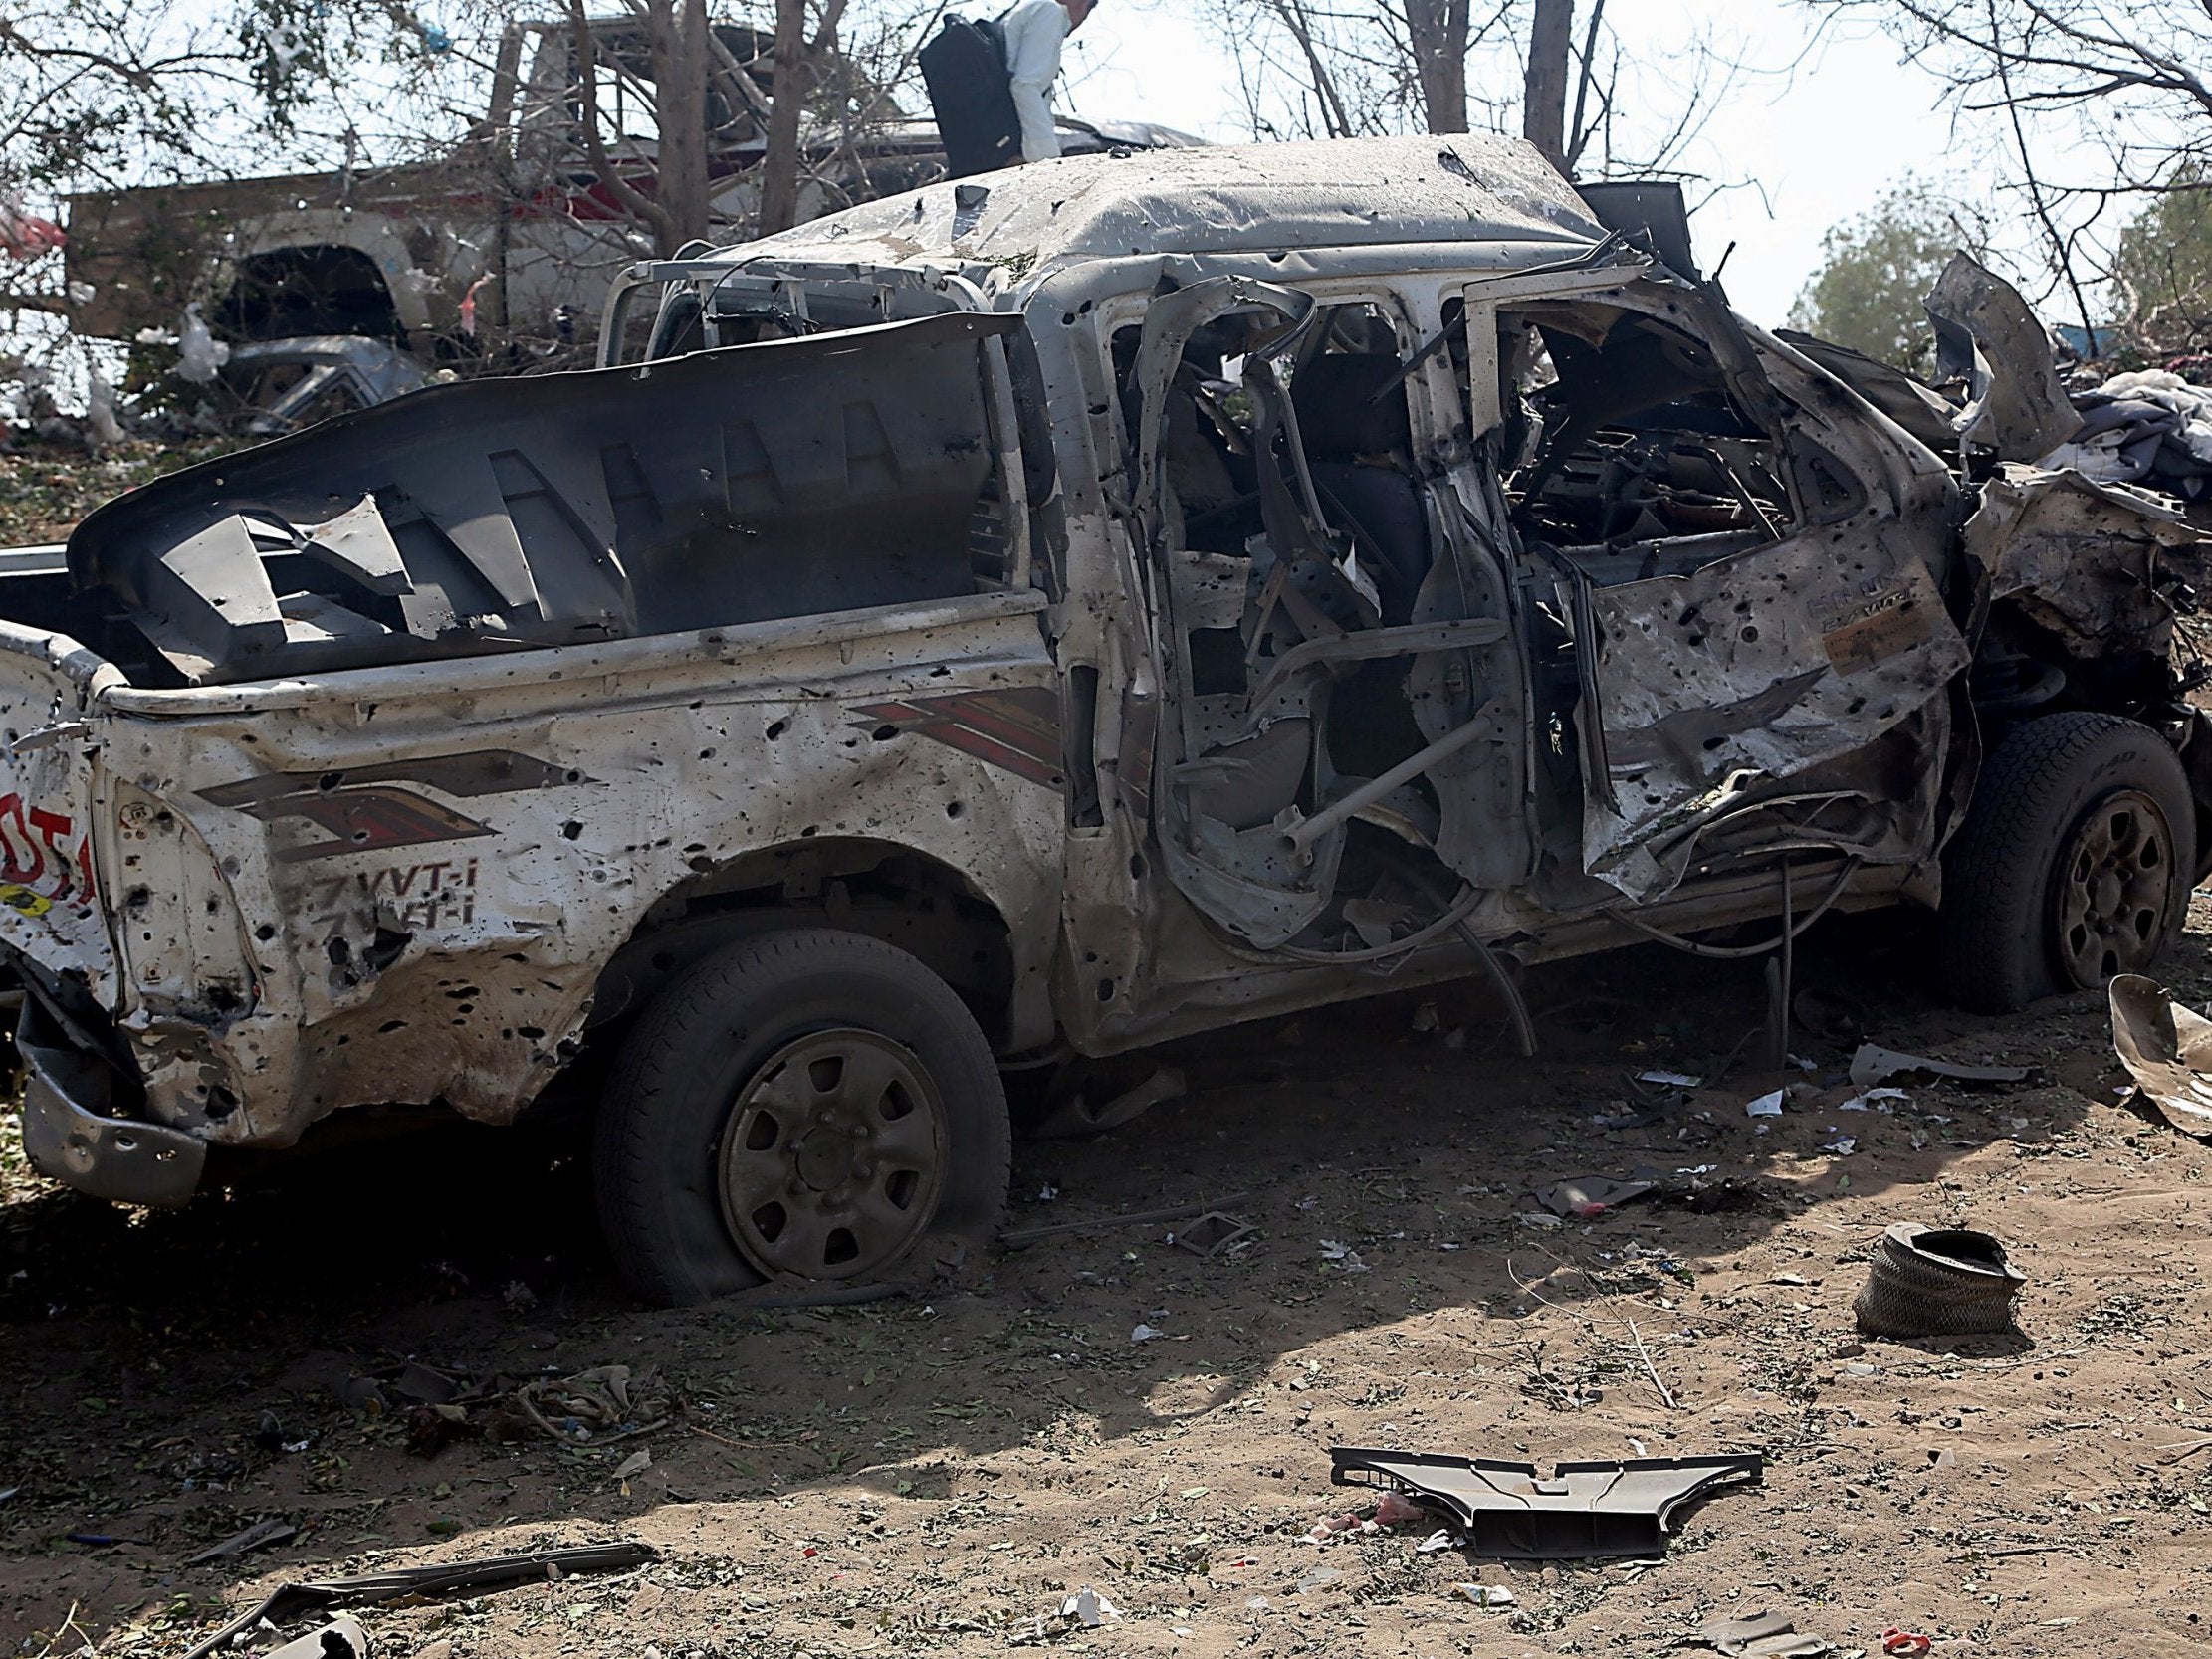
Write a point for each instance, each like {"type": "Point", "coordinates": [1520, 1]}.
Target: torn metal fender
{"type": "Point", "coordinates": [1914, 405]}
{"type": "Point", "coordinates": [2079, 555]}
{"type": "Point", "coordinates": [1986, 336]}
{"type": "Point", "coordinates": [1583, 1511]}
{"type": "Point", "coordinates": [1760, 666]}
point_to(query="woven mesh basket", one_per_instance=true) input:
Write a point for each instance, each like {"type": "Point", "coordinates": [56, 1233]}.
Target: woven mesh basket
{"type": "Point", "coordinates": [1937, 1282]}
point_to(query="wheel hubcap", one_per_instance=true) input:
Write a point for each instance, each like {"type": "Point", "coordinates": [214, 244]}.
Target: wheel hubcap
{"type": "Point", "coordinates": [2116, 888]}
{"type": "Point", "coordinates": [835, 1156]}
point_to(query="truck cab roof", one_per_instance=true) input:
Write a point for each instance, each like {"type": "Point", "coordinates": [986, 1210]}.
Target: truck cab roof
{"type": "Point", "coordinates": [1223, 199]}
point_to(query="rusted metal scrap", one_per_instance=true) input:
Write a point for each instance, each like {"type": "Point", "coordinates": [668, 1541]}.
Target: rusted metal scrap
{"type": "Point", "coordinates": [2167, 1049]}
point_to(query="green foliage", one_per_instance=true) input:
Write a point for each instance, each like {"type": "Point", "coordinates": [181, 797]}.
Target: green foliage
{"type": "Point", "coordinates": [45, 488]}
{"type": "Point", "coordinates": [1875, 271]}
{"type": "Point", "coordinates": [2163, 268]}
{"type": "Point", "coordinates": [111, 92]}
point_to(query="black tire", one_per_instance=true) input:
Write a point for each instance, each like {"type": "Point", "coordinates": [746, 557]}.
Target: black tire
{"type": "Point", "coordinates": [2041, 891]}
{"type": "Point", "coordinates": [859, 1081]}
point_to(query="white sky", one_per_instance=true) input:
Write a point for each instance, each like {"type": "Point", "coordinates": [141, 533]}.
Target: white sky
{"type": "Point", "coordinates": [1804, 139]}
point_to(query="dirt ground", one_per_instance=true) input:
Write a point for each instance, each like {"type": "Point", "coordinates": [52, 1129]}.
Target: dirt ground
{"type": "Point", "coordinates": [932, 1476]}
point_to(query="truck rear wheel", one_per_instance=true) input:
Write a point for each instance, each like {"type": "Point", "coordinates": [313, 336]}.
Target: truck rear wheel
{"type": "Point", "coordinates": [808, 1107]}
{"type": "Point", "coordinates": [2072, 865]}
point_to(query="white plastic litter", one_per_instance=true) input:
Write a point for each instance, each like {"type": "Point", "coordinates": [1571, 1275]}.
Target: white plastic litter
{"type": "Point", "coordinates": [199, 354]}
{"type": "Point", "coordinates": [1872, 1097]}
{"type": "Point", "coordinates": [1766, 1106]}
{"type": "Point", "coordinates": [1487, 1596]}
{"type": "Point", "coordinates": [1145, 1334]}
{"type": "Point", "coordinates": [1089, 1609]}
{"type": "Point", "coordinates": [99, 412]}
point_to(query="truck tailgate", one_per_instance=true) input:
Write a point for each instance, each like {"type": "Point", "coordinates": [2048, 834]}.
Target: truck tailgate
{"type": "Point", "coordinates": [49, 909]}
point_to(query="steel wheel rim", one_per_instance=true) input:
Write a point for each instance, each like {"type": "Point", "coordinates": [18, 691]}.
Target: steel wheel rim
{"type": "Point", "coordinates": [2115, 889]}
{"type": "Point", "coordinates": [833, 1156]}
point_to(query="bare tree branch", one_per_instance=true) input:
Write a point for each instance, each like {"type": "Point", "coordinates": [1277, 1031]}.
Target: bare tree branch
{"type": "Point", "coordinates": [610, 177]}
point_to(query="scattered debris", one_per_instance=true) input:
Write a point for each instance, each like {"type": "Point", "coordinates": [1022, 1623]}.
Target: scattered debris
{"type": "Point", "coordinates": [1027, 1236]}
{"type": "Point", "coordinates": [2167, 1050]}
{"type": "Point", "coordinates": [1333, 1526]}
{"type": "Point", "coordinates": [1766, 1106]}
{"type": "Point", "coordinates": [341, 1638]}
{"type": "Point", "coordinates": [1088, 1609]}
{"type": "Point", "coordinates": [364, 1394]}
{"type": "Point", "coordinates": [1211, 1234]}
{"type": "Point", "coordinates": [1438, 1541]}
{"type": "Point", "coordinates": [432, 1429]}
{"type": "Point", "coordinates": [289, 1601]}
{"type": "Point", "coordinates": [1589, 1196]}
{"type": "Point", "coordinates": [1077, 1115]}
{"type": "Point", "coordinates": [2178, 1452]}
{"type": "Point", "coordinates": [1391, 1510]}
{"type": "Point", "coordinates": [260, 1535]}
{"type": "Point", "coordinates": [1486, 1595]}
{"type": "Point", "coordinates": [1874, 1063]}
{"type": "Point", "coordinates": [1582, 1511]}
{"type": "Point", "coordinates": [1871, 1098]}
{"type": "Point", "coordinates": [1730, 1196]}
{"type": "Point", "coordinates": [1345, 1257]}
{"type": "Point", "coordinates": [418, 1385]}
{"type": "Point", "coordinates": [199, 352]}
{"type": "Point", "coordinates": [635, 1464]}
{"type": "Point", "coordinates": [1671, 1079]}
{"type": "Point", "coordinates": [2146, 426]}
{"type": "Point", "coordinates": [592, 1407]}
{"type": "Point", "coordinates": [1146, 1334]}
{"type": "Point", "coordinates": [271, 1435]}
{"type": "Point", "coordinates": [1905, 1644]}
{"type": "Point", "coordinates": [1760, 1636]}
{"type": "Point", "coordinates": [1843, 1145]}
{"type": "Point", "coordinates": [1320, 1578]}
{"type": "Point", "coordinates": [1937, 1282]}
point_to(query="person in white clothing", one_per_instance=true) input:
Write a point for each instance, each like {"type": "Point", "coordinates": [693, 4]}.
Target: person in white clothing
{"type": "Point", "coordinates": [1035, 30]}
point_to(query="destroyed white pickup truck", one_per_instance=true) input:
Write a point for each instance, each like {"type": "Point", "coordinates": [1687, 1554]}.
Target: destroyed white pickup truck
{"type": "Point", "coordinates": [1046, 616]}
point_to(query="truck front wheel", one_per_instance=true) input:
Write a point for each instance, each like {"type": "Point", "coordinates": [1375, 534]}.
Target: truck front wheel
{"type": "Point", "coordinates": [2073, 863]}
{"type": "Point", "coordinates": [806, 1108]}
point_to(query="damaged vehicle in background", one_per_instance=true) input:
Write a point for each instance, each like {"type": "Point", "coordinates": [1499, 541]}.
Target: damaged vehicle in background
{"type": "Point", "coordinates": [1041, 618]}
{"type": "Point", "coordinates": [340, 290]}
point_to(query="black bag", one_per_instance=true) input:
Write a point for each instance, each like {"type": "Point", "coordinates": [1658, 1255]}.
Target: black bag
{"type": "Point", "coordinates": [972, 95]}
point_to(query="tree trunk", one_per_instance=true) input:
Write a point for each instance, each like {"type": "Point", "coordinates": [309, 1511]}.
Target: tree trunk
{"type": "Point", "coordinates": [680, 120]}
{"type": "Point", "coordinates": [1544, 95]}
{"type": "Point", "coordinates": [780, 168]}
{"type": "Point", "coordinates": [1437, 33]}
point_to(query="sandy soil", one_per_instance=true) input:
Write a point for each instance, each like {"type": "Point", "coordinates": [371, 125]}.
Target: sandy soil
{"type": "Point", "coordinates": [912, 1477]}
